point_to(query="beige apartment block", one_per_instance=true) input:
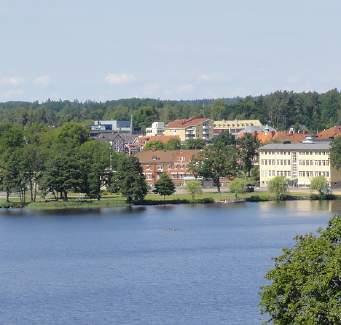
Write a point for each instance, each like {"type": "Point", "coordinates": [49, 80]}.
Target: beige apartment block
{"type": "Point", "coordinates": [299, 163]}
{"type": "Point", "coordinates": [192, 128]}
{"type": "Point", "coordinates": [235, 126]}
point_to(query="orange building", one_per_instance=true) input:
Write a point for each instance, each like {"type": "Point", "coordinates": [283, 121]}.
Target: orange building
{"type": "Point", "coordinates": [172, 162]}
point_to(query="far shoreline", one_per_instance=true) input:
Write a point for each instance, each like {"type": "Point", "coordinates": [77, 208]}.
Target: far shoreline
{"type": "Point", "coordinates": [224, 198]}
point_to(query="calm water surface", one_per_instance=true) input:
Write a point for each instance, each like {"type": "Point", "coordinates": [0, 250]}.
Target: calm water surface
{"type": "Point", "coordinates": [145, 265]}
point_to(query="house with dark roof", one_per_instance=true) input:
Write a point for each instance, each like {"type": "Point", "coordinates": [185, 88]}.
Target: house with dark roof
{"type": "Point", "coordinates": [119, 142]}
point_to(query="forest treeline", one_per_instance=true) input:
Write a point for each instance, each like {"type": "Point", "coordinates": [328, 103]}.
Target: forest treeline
{"type": "Point", "coordinates": [281, 109]}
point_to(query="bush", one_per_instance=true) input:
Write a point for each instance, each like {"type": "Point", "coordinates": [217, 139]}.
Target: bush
{"type": "Point", "coordinates": [237, 186]}
{"type": "Point", "coordinates": [279, 186]}
{"type": "Point", "coordinates": [319, 184]}
{"type": "Point", "coordinates": [193, 187]}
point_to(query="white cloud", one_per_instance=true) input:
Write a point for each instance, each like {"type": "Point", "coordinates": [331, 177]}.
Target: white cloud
{"type": "Point", "coordinates": [42, 81]}
{"type": "Point", "coordinates": [119, 78]}
{"type": "Point", "coordinates": [11, 81]}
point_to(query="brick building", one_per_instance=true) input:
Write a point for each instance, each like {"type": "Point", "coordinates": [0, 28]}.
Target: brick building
{"type": "Point", "coordinates": [173, 162]}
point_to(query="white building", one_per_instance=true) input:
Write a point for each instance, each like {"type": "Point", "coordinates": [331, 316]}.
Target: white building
{"type": "Point", "coordinates": [111, 126]}
{"type": "Point", "coordinates": [157, 129]}
{"type": "Point", "coordinates": [299, 163]}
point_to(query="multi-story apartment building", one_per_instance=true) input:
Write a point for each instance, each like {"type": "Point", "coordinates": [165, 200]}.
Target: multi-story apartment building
{"type": "Point", "coordinates": [299, 163]}
{"type": "Point", "coordinates": [235, 126]}
{"type": "Point", "coordinates": [192, 128]}
{"type": "Point", "coordinates": [173, 162]}
{"type": "Point", "coordinates": [157, 128]}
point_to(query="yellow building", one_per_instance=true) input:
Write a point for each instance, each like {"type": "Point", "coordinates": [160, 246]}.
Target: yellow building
{"type": "Point", "coordinates": [192, 128]}
{"type": "Point", "coordinates": [299, 163]}
{"type": "Point", "coordinates": [234, 126]}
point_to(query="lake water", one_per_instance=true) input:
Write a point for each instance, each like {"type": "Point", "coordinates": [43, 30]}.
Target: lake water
{"type": "Point", "coordinates": [145, 265]}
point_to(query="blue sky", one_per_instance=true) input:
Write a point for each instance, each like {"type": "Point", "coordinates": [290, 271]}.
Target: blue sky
{"type": "Point", "coordinates": [169, 49]}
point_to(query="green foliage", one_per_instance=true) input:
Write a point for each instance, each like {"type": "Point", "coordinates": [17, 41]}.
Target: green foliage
{"type": "Point", "coordinates": [194, 188]}
{"type": "Point", "coordinates": [238, 186]}
{"type": "Point", "coordinates": [319, 184]}
{"type": "Point", "coordinates": [216, 161]}
{"type": "Point", "coordinates": [95, 159]}
{"type": "Point", "coordinates": [164, 186]}
{"type": "Point", "coordinates": [130, 179]}
{"type": "Point", "coordinates": [154, 145]}
{"type": "Point", "coordinates": [248, 147]}
{"type": "Point", "coordinates": [173, 144]}
{"type": "Point", "coordinates": [194, 144]}
{"type": "Point", "coordinates": [61, 160]}
{"type": "Point", "coordinates": [278, 186]}
{"type": "Point", "coordinates": [281, 109]}
{"type": "Point", "coordinates": [335, 153]}
{"type": "Point", "coordinates": [305, 283]}
{"type": "Point", "coordinates": [224, 139]}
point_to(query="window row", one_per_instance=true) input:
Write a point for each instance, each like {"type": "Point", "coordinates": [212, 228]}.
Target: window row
{"type": "Point", "coordinates": [286, 173]}
{"type": "Point", "coordinates": [278, 162]}
{"type": "Point", "coordinates": [312, 174]}
{"type": "Point", "coordinates": [313, 162]}
{"type": "Point", "coordinates": [298, 152]}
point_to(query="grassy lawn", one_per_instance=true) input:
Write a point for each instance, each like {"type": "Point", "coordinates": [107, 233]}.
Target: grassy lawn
{"type": "Point", "coordinates": [75, 202]}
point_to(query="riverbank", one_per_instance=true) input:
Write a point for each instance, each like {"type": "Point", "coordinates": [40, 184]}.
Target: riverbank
{"type": "Point", "coordinates": [111, 201]}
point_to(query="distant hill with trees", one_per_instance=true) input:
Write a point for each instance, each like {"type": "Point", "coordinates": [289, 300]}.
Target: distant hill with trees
{"type": "Point", "coordinates": [281, 109]}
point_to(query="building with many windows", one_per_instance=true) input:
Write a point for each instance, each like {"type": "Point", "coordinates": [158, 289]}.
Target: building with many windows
{"type": "Point", "coordinates": [236, 126]}
{"type": "Point", "coordinates": [192, 128]}
{"type": "Point", "coordinates": [172, 162]}
{"type": "Point", "coordinates": [299, 163]}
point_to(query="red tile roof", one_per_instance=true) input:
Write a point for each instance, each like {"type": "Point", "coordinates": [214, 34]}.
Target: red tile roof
{"type": "Point", "coordinates": [330, 133]}
{"type": "Point", "coordinates": [184, 123]}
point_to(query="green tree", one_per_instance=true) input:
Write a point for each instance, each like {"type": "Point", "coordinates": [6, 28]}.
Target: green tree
{"type": "Point", "coordinates": [95, 163]}
{"type": "Point", "coordinates": [194, 188]}
{"type": "Point", "coordinates": [319, 184]}
{"type": "Point", "coordinates": [194, 144]}
{"type": "Point", "coordinates": [12, 176]}
{"type": "Point", "coordinates": [154, 145]}
{"type": "Point", "coordinates": [335, 153]}
{"type": "Point", "coordinates": [278, 186]}
{"type": "Point", "coordinates": [237, 186]}
{"type": "Point", "coordinates": [306, 280]}
{"type": "Point", "coordinates": [224, 139]}
{"type": "Point", "coordinates": [164, 186]}
{"type": "Point", "coordinates": [216, 161]}
{"type": "Point", "coordinates": [247, 147]}
{"type": "Point", "coordinates": [173, 144]}
{"type": "Point", "coordinates": [130, 179]}
{"type": "Point", "coordinates": [62, 172]}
